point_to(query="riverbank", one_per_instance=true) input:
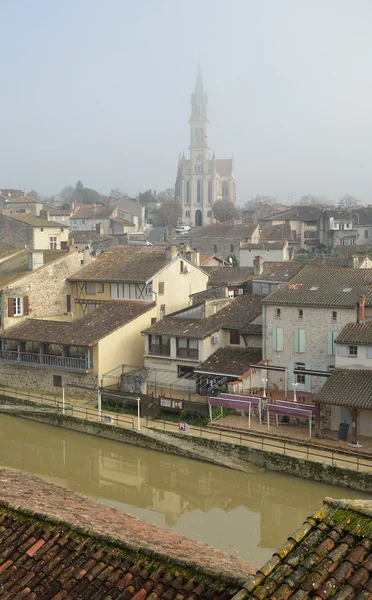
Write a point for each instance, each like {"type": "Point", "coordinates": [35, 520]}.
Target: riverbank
{"type": "Point", "coordinates": [239, 457]}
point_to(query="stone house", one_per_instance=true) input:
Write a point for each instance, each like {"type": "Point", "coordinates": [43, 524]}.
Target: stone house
{"type": "Point", "coordinates": [348, 391]}
{"type": "Point", "coordinates": [302, 320]}
{"type": "Point", "coordinates": [103, 219]}
{"type": "Point", "coordinates": [303, 222]}
{"type": "Point", "coordinates": [176, 345]}
{"type": "Point", "coordinates": [340, 227]}
{"type": "Point", "coordinates": [222, 238]}
{"type": "Point", "coordinates": [34, 284]}
{"type": "Point", "coordinates": [162, 277]}
{"type": "Point", "coordinates": [44, 355]}
{"type": "Point", "coordinates": [269, 251]}
{"type": "Point", "coordinates": [23, 204]}
{"type": "Point", "coordinates": [358, 261]}
{"type": "Point", "coordinates": [33, 232]}
{"type": "Point", "coordinates": [131, 210]}
{"type": "Point", "coordinates": [61, 215]}
{"type": "Point", "coordinates": [259, 280]}
{"type": "Point", "coordinates": [93, 240]}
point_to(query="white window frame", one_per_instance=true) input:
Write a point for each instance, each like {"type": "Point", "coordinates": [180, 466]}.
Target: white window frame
{"type": "Point", "coordinates": [18, 306]}
{"type": "Point", "coordinates": [53, 242]}
{"type": "Point", "coordinates": [350, 353]}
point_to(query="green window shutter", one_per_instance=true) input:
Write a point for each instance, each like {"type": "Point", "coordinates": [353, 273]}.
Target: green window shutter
{"type": "Point", "coordinates": [279, 339]}
{"type": "Point", "coordinates": [331, 342]}
{"type": "Point", "coordinates": [290, 375]}
{"type": "Point", "coordinates": [308, 378]}
{"type": "Point", "coordinates": [369, 351]}
{"type": "Point", "coordinates": [296, 340]}
{"type": "Point", "coordinates": [275, 329]}
{"type": "Point", "coordinates": [301, 340]}
{"type": "Point", "coordinates": [330, 346]}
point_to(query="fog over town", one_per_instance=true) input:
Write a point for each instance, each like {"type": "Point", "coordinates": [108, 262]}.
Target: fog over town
{"type": "Point", "coordinates": [102, 94]}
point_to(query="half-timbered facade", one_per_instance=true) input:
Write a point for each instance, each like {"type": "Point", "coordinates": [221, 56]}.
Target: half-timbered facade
{"type": "Point", "coordinates": [163, 278]}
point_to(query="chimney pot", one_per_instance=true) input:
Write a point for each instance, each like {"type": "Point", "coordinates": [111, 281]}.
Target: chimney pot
{"type": "Point", "coordinates": [361, 305]}
{"type": "Point", "coordinates": [257, 265]}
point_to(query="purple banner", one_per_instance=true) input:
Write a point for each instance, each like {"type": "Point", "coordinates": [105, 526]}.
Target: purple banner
{"type": "Point", "coordinates": [296, 405]}
{"type": "Point", "coordinates": [255, 400]}
{"type": "Point", "coordinates": [289, 411]}
{"type": "Point", "coordinates": [241, 405]}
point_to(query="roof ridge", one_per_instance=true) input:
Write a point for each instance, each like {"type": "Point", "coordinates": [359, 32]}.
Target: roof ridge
{"type": "Point", "coordinates": [358, 506]}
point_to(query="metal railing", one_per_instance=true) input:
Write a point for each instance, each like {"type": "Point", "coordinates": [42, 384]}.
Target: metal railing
{"type": "Point", "coordinates": [160, 349]}
{"type": "Point", "coordinates": [188, 353]}
{"type": "Point", "coordinates": [336, 458]}
{"type": "Point", "coordinates": [45, 360]}
{"type": "Point", "coordinates": [83, 411]}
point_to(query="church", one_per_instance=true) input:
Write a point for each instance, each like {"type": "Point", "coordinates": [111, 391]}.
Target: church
{"type": "Point", "coordinates": [202, 179]}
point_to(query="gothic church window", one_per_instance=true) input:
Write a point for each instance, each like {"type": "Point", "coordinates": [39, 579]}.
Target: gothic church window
{"type": "Point", "coordinates": [198, 192]}
{"type": "Point", "coordinates": [209, 192]}
{"type": "Point", "coordinates": [188, 192]}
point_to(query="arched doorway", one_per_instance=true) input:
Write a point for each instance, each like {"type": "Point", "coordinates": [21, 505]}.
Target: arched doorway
{"type": "Point", "coordinates": [198, 218]}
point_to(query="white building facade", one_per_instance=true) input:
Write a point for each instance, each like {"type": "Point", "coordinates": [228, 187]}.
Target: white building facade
{"type": "Point", "coordinates": [202, 179]}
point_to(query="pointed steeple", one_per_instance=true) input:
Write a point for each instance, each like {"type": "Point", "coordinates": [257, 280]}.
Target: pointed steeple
{"type": "Point", "coordinates": [199, 87]}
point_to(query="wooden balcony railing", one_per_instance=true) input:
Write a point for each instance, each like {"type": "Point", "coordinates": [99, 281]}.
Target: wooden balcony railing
{"type": "Point", "coordinates": [45, 360]}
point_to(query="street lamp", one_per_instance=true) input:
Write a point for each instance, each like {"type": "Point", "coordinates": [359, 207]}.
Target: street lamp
{"type": "Point", "coordinates": [295, 384]}
{"type": "Point", "coordinates": [264, 381]}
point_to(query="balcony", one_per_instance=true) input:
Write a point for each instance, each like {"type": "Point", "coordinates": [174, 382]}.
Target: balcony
{"type": "Point", "coordinates": [159, 349]}
{"type": "Point", "coordinates": [32, 359]}
{"type": "Point", "coordinates": [188, 353]}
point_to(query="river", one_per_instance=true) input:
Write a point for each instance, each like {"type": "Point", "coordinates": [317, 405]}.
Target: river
{"type": "Point", "coordinates": [248, 515]}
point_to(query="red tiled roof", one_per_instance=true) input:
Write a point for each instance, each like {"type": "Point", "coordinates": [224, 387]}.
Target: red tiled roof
{"type": "Point", "coordinates": [276, 232]}
{"type": "Point", "coordinates": [328, 557]}
{"type": "Point", "coordinates": [86, 211]}
{"type": "Point", "coordinates": [56, 544]}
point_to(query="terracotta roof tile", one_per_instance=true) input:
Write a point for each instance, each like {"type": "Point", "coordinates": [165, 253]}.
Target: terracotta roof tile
{"type": "Point", "coordinates": [276, 232]}
{"type": "Point", "coordinates": [355, 333]}
{"type": "Point", "coordinates": [85, 331]}
{"type": "Point", "coordinates": [229, 229]}
{"type": "Point", "coordinates": [33, 220]}
{"type": "Point", "coordinates": [348, 387]}
{"type": "Point", "coordinates": [238, 314]}
{"type": "Point", "coordinates": [331, 287]}
{"type": "Point", "coordinates": [228, 275]}
{"type": "Point", "coordinates": [336, 542]}
{"type": "Point", "coordinates": [113, 265]}
{"type": "Point", "coordinates": [230, 361]}
{"type": "Point", "coordinates": [58, 544]}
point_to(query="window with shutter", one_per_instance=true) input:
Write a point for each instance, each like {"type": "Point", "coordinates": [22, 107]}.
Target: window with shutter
{"type": "Point", "coordinates": [331, 342]}
{"type": "Point", "coordinates": [299, 340]}
{"type": "Point", "coordinates": [25, 305]}
{"type": "Point", "coordinates": [369, 352]}
{"type": "Point", "coordinates": [10, 307]}
{"type": "Point", "coordinates": [277, 339]}
{"type": "Point", "coordinates": [341, 350]}
{"type": "Point", "coordinates": [234, 336]}
{"type": "Point", "coordinates": [68, 303]}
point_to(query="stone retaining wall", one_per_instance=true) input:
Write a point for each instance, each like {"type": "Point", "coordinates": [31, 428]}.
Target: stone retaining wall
{"type": "Point", "coordinates": [213, 451]}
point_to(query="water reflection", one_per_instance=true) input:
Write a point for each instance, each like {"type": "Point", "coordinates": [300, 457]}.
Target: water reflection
{"type": "Point", "coordinates": [246, 514]}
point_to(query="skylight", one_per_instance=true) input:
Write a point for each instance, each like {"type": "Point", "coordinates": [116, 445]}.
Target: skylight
{"type": "Point", "coordinates": [347, 289]}
{"type": "Point", "coordinates": [314, 288]}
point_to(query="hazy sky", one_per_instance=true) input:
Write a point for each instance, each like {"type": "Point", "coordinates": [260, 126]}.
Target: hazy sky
{"type": "Point", "coordinates": [99, 90]}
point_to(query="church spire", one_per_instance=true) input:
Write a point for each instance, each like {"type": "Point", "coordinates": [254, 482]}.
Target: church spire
{"type": "Point", "coordinates": [199, 87]}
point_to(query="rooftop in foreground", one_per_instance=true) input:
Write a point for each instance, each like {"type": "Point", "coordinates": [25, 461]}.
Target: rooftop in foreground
{"type": "Point", "coordinates": [65, 545]}
{"type": "Point", "coordinates": [328, 557]}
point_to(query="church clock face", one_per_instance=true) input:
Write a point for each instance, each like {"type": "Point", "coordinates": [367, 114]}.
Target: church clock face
{"type": "Point", "coordinates": [198, 158]}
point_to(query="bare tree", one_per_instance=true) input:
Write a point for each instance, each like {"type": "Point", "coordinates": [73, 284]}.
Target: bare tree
{"type": "Point", "coordinates": [117, 193]}
{"type": "Point", "coordinates": [67, 192]}
{"type": "Point", "coordinates": [349, 201]}
{"type": "Point", "coordinates": [224, 210]}
{"type": "Point", "coordinates": [260, 207]}
{"type": "Point", "coordinates": [167, 214]}
{"type": "Point", "coordinates": [167, 195]}
{"type": "Point", "coordinates": [309, 200]}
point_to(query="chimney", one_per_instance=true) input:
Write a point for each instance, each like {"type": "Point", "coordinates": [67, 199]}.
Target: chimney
{"type": "Point", "coordinates": [193, 256]}
{"type": "Point", "coordinates": [171, 253]}
{"type": "Point", "coordinates": [44, 214]}
{"type": "Point", "coordinates": [99, 229]}
{"type": "Point", "coordinates": [361, 305]}
{"type": "Point", "coordinates": [257, 265]}
{"type": "Point", "coordinates": [352, 262]}
{"type": "Point", "coordinates": [35, 260]}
